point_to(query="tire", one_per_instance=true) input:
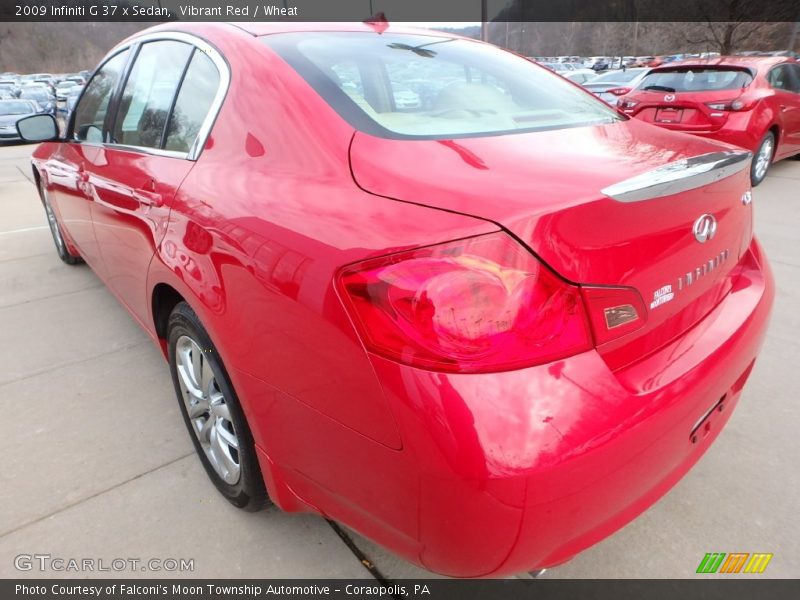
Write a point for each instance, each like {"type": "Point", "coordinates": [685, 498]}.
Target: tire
{"type": "Point", "coordinates": [217, 424]}
{"type": "Point", "coordinates": [762, 159]}
{"type": "Point", "coordinates": [55, 230]}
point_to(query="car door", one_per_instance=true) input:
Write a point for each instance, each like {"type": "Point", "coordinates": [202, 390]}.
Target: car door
{"type": "Point", "coordinates": [65, 172]}
{"type": "Point", "coordinates": [135, 176]}
{"type": "Point", "coordinates": [785, 80]}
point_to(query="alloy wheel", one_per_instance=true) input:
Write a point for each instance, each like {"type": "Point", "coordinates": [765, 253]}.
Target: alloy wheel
{"type": "Point", "coordinates": [208, 412]}
{"type": "Point", "coordinates": [763, 159]}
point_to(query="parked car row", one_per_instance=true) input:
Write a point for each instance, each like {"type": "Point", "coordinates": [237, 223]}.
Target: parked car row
{"type": "Point", "coordinates": [46, 93]}
{"type": "Point", "coordinates": [598, 64]}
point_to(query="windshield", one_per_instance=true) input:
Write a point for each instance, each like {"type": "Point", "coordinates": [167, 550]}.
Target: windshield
{"type": "Point", "coordinates": [34, 94]}
{"type": "Point", "coordinates": [397, 85]}
{"type": "Point", "coordinates": [695, 79]}
{"type": "Point", "coordinates": [15, 108]}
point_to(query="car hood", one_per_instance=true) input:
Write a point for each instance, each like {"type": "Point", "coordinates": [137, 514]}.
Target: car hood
{"type": "Point", "coordinates": [546, 188]}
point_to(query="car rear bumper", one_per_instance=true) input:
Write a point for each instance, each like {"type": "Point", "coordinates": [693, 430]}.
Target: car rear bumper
{"type": "Point", "coordinates": [524, 469]}
{"type": "Point", "coordinates": [737, 130]}
{"type": "Point", "coordinates": [506, 472]}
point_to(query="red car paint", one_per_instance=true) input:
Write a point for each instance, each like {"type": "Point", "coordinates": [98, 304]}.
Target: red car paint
{"type": "Point", "coordinates": [465, 473]}
{"type": "Point", "coordinates": [763, 107]}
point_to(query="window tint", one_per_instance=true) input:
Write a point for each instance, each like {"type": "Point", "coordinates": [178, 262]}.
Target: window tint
{"type": "Point", "coordinates": [91, 112]}
{"type": "Point", "coordinates": [149, 92]}
{"type": "Point", "coordinates": [433, 87]}
{"type": "Point", "coordinates": [194, 100]}
{"type": "Point", "coordinates": [785, 77]}
{"type": "Point", "coordinates": [699, 79]}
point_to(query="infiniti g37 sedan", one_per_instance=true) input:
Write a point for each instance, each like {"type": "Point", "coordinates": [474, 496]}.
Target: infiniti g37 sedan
{"type": "Point", "coordinates": [486, 329]}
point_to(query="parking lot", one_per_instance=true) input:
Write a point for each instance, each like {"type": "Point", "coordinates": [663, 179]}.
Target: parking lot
{"type": "Point", "coordinates": [98, 464]}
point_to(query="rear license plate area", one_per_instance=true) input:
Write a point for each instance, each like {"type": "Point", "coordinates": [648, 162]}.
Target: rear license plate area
{"type": "Point", "coordinates": [669, 115]}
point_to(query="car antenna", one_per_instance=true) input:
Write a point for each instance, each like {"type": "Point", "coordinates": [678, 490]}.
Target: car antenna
{"type": "Point", "coordinates": [378, 22]}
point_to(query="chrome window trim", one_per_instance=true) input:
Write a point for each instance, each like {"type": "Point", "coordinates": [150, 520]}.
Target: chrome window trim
{"type": "Point", "coordinates": [216, 105]}
{"type": "Point", "coordinates": [680, 176]}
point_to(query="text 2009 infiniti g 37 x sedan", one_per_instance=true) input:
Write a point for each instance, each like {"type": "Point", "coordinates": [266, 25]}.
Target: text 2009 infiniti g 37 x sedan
{"type": "Point", "coordinates": [486, 331]}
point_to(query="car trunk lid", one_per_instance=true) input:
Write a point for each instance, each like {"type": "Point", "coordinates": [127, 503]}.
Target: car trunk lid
{"type": "Point", "coordinates": [553, 191]}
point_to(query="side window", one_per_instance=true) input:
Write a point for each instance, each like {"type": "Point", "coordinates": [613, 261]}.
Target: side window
{"type": "Point", "coordinates": [794, 79]}
{"type": "Point", "coordinates": [91, 112]}
{"type": "Point", "coordinates": [779, 78]}
{"type": "Point", "coordinates": [197, 92]}
{"type": "Point", "coordinates": [148, 94]}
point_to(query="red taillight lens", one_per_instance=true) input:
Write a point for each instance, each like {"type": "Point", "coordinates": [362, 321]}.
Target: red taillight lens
{"type": "Point", "coordinates": [475, 305]}
{"type": "Point", "coordinates": [624, 103]}
{"type": "Point", "coordinates": [735, 105]}
{"type": "Point", "coordinates": [620, 91]}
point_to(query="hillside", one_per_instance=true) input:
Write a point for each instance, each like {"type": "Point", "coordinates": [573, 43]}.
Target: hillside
{"type": "Point", "coordinates": [58, 47]}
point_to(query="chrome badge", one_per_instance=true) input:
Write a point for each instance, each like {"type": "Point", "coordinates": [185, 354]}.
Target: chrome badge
{"type": "Point", "coordinates": [669, 98]}
{"type": "Point", "coordinates": [705, 228]}
{"type": "Point", "coordinates": [666, 293]}
{"type": "Point", "coordinates": [747, 197]}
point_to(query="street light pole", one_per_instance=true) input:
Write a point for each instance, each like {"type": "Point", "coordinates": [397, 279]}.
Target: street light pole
{"type": "Point", "coordinates": [793, 38]}
{"type": "Point", "coordinates": [484, 25]}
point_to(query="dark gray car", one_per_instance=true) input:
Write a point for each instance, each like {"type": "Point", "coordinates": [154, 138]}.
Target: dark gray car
{"type": "Point", "coordinates": [12, 111]}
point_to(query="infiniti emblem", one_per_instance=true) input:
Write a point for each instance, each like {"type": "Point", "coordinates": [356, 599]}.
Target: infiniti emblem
{"type": "Point", "coordinates": [705, 228]}
{"type": "Point", "coordinates": [669, 97]}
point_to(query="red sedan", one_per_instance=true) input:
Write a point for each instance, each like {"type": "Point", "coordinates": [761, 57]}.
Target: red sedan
{"type": "Point", "coordinates": [751, 102]}
{"type": "Point", "coordinates": [412, 282]}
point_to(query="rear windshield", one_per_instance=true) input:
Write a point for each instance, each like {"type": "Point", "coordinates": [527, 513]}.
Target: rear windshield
{"type": "Point", "coordinates": [15, 108]}
{"type": "Point", "coordinates": [395, 85]}
{"type": "Point", "coordinates": [696, 79]}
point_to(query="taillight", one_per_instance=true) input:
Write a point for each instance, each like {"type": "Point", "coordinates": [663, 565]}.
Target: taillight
{"type": "Point", "coordinates": [613, 311]}
{"type": "Point", "coordinates": [625, 103]}
{"type": "Point", "coordinates": [620, 91]}
{"type": "Point", "coordinates": [734, 105]}
{"type": "Point", "coordinates": [475, 305]}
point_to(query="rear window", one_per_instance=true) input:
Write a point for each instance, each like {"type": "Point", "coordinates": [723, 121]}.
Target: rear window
{"type": "Point", "coordinates": [694, 79]}
{"type": "Point", "coordinates": [418, 86]}
{"type": "Point", "coordinates": [15, 108]}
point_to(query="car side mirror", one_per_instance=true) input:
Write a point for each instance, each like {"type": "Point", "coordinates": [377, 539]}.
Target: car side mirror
{"type": "Point", "coordinates": [37, 128]}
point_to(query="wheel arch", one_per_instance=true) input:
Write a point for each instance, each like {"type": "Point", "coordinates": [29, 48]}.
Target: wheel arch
{"type": "Point", "coordinates": [164, 298]}
{"type": "Point", "coordinates": [776, 131]}
{"type": "Point", "coordinates": [37, 180]}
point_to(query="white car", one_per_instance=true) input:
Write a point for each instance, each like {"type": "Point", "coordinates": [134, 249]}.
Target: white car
{"type": "Point", "coordinates": [613, 84]}
{"type": "Point", "coordinates": [580, 76]}
{"type": "Point", "coordinates": [405, 99]}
